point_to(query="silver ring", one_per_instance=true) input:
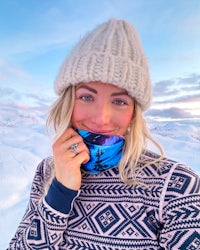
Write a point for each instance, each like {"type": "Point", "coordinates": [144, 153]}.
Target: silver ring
{"type": "Point", "coordinates": [74, 148]}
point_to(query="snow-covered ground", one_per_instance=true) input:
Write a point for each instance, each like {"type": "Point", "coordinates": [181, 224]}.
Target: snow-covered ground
{"type": "Point", "coordinates": [24, 142]}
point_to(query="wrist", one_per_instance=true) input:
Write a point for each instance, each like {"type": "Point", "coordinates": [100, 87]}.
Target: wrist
{"type": "Point", "coordinates": [60, 197]}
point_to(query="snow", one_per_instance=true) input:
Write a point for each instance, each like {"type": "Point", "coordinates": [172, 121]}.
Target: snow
{"type": "Point", "coordinates": [24, 143]}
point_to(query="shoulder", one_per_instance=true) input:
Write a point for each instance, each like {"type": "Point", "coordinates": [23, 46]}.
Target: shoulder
{"type": "Point", "coordinates": [45, 168]}
{"type": "Point", "coordinates": [178, 177]}
{"type": "Point", "coordinates": [183, 181]}
{"type": "Point", "coordinates": [43, 174]}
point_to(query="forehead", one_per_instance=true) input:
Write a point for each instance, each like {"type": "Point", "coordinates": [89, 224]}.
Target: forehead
{"type": "Point", "coordinates": [101, 86]}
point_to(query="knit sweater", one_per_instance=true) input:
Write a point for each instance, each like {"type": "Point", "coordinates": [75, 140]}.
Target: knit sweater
{"type": "Point", "coordinates": [107, 214]}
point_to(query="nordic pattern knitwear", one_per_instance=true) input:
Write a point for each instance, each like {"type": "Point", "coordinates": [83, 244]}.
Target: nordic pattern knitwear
{"type": "Point", "coordinates": [110, 215]}
{"type": "Point", "coordinates": [111, 53]}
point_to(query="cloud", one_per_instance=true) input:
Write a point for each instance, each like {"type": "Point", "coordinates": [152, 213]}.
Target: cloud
{"type": "Point", "coordinates": [11, 96]}
{"type": "Point", "coordinates": [180, 99]}
{"type": "Point", "coordinates": [177, 98]}
{"type": "Point", "coordinates": [177, 89]}
{"type": "Point", "coordinates": [187, 99]}
{"type": "Point", "coordinates": [41, 100]}
{"type": "Point", "coordinates": [190, 83]}
{"type": "Point", "coordinates": [163, 88]}
{"type": "Point", "coordinates": [171, 113]}
{"type": "Point", "coordinates": [7, 71]}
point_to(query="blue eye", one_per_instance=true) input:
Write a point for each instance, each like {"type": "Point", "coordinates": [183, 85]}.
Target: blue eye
{"type": "Point", "coordinates": [86, 98]}
{"type": "Point", "coordinates": [120, 102]}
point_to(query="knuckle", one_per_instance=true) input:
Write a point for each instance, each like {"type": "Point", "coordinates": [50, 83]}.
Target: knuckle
{"type": "Point", "coordinates": [86, 155]}
{"type": "Point", "coordinates": [55, 147]}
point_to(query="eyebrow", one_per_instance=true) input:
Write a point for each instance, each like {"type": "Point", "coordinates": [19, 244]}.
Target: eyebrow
{"type": "Point", "coordinates": [123, 92]}
{"type": "Point", "coordinates": [87, 87]}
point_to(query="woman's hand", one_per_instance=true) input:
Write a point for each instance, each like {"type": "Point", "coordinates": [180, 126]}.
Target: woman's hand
{"type": "Point", "coordinates": [67, 163]}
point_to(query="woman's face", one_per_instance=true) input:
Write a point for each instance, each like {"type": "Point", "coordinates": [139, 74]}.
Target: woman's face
{"type": "Point", "coordinates": [102, 108]}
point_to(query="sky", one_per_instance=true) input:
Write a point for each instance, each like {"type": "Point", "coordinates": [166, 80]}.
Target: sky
{"type": "Point", "coordinates": [37, 35]}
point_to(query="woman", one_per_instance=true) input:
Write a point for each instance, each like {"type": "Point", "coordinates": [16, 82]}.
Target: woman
{"type": "Point", "coordinates": [103, 189]}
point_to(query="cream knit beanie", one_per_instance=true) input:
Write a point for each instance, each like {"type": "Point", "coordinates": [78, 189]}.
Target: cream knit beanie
{"type": "Point", "coordinates": [111, 53]}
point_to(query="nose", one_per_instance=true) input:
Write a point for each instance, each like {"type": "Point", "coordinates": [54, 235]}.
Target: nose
{"type": "Point", "coordinates": [102, 115]}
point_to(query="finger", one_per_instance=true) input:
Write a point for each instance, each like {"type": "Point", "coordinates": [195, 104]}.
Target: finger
{"type": "Point", "coordinates": [69, 133]}
{"type": "Point", "coordinates": [62, 145]}
{"type": "Point", "coordinates": [80, 158]}
{"type": "Point", "coordinates": [77, 148]}
{"type": "Point", "coordinates": [74, 148]}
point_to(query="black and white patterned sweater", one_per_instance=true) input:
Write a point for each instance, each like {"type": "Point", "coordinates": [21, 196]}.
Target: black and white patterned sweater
{"type": "Point", "coordinates": [107, 214]}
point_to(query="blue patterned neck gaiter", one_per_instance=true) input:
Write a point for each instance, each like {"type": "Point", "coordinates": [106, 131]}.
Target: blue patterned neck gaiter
{"type": "Point", "coordinates": [105, 151]}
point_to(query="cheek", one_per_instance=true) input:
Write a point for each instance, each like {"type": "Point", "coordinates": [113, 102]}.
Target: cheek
{"type": "Point", "coordinates": [78, 114]}
{"type": "Point", "coordinates": [124, 120]}
{"type": "Point", "coordinates": [126, 116]}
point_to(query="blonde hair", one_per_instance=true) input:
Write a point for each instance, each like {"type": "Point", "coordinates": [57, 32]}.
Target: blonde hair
{"type": "Point", "coordinates": [61, 112]}
{"type": "Point", "coordinates": [136, 138]}
{"type": "Point", "coordinates": [135, 147]}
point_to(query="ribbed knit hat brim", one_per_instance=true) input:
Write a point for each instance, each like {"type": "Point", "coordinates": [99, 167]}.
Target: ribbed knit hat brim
{"type": "Point", "coordinates": [111, 53]}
